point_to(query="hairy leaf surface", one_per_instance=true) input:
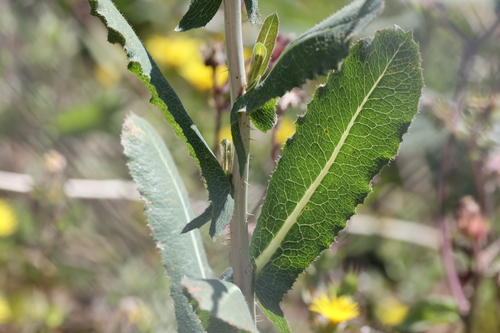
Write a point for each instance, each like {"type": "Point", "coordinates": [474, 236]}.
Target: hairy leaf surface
{"type": "Point", "coordinates": [267, 36]}
{"type": "Point", "coordinates": [200, 12]}
{"type": "Point", "coordinates": [315, 52]}
{"type": "Point", "coordinates": [352, 128]}
{"type": "Point", "coordinates": [257, 62]}
{"type": "Point", "coordinates": [223, 300]}
{"type": "Point", "coordinates": [252, 10]}
{"type": "Point", "coordinates": [168, 210]}
{"type": "Point", "coordinates": [141, 64]}
{"type": "Point", "coordinates": [264, 117]}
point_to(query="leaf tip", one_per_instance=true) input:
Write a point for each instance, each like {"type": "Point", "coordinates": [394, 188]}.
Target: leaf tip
{"type": "Point", "coordinates": [199, 221]}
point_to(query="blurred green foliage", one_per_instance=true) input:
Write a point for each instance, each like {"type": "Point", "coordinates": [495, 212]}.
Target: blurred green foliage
{"type": "Point", "coordinates": [89, 265]}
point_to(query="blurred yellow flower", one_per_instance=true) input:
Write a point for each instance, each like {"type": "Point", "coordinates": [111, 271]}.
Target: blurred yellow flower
{"type": "Point", "coordinates": [5, 311]}
{"type": "Point", "coordinates": [335, 309]}
{"type": "Point", "coordinates": [225, 133]}
{"type": "Point", "coordinates": [184, 55]}
{"type": "Point", "coordinates": [174, 52]}
{"type": "Point", "coordinates": [390, 311]}
{"type": "Point", "coordinates": [199, 75]}
{"type": "Point", "coordinates": [286, 128]}
{"type": "Point", "coordinates": [247, 53]}
{"type": "Point", "coordinates": [8, 220]}
{"type": "Point", "coordinates": [221, 75]}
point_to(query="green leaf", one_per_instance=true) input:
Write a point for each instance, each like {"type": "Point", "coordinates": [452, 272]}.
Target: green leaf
{"type": "Point", "coordinates": [258, 55]}
{"type": "Point", "coordinates": [278, 320]}
{"type": "Point", "coordinates": [352, 128]}
{"type": "Point", "coordinates": [200, 12]}
{"type": "Point", "coordinates": [141, 64]}
{"type": "Point", "coordinates": [267, 37]}
{"type": "Point", "coordinates": [315, 52]}
{"type": "Point", "coordinates": [168, 210]}
{"type": "Point", "coordinates": [223, 300]}
{"type": "Point", "coordinates": [252, 10]}
{"type": "Point", "coordinates": [264, 118]}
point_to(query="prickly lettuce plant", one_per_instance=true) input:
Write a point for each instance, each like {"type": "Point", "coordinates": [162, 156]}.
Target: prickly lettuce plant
{"type": "Point", "coordinates": [352, 128]}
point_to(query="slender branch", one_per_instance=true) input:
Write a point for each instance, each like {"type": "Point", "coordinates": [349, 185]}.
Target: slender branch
{"type": "Point", "coordinates": [240, 259]}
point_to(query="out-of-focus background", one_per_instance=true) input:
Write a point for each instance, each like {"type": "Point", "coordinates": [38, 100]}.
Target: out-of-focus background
{"type": "Point", "coordinates": [75, 250]}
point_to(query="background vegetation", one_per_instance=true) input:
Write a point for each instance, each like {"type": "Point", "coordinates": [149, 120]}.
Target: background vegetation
{"type": "Point", "coordinates": [422, 256]}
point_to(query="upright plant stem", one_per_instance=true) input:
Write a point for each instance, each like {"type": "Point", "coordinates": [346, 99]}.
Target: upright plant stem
{"type": "Point", "coordinates": [240, 259]}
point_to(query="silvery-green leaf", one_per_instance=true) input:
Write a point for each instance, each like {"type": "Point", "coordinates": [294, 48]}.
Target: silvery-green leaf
{"type": "Point", "coordinates": [168, 210]}
{"type": "Point", "coordinates": [223, 300]}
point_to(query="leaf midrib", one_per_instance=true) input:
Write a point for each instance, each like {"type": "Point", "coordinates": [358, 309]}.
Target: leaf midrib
{"type": "Point", "coordinates": [269, 28]}
{"type": "Point", "coordinates": [265, 256]}
{"type": "Point", "coordinates": [184, 206]}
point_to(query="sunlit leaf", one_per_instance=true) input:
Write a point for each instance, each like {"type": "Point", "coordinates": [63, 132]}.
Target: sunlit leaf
{"type": "Point", "coordinates": [267, 37]}
{"type": "Point", "coordinates": [314, 53]}
{"type": "Point", "coordinates": [352, 128]}
{"type": "Point", "coordinates": [258, 55]}
{"type": "Point", "coordinates": [264, 118]}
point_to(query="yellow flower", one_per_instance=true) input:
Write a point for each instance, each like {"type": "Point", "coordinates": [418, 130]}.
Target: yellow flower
{"type": "Point", "coordinates": [184, 55]}
{"type": "Point", "coordinates": [225, 133]}
{"type": "Point", "coordinates": [286, 128]}
{"type": "Point", "coordinates": [8, 220]}
{"type": "Point", "coordinates": [335, 309]}
{"type": "Point", "coordinates": [5, 311]}
{"type": "Point", "coordinates": [174, 52]}
{"type": "Point", "coordinates": [221, 75]}
{"type": "Point", "coordinates": [390, 311]}
{"type": "Point", "coordinates": [199, 75]}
